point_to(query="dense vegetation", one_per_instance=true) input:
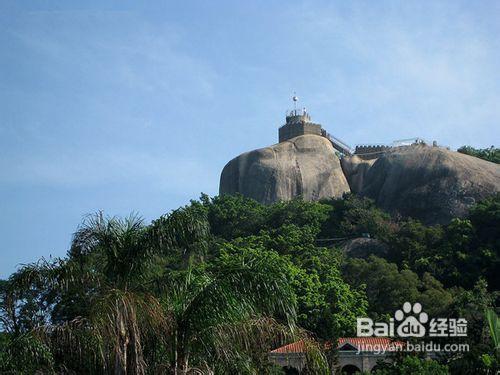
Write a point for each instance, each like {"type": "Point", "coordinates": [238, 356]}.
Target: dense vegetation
{"type": "Point", "coordinates": [491, 154]}
{"type": "Point", "coordinates": [215, 285]}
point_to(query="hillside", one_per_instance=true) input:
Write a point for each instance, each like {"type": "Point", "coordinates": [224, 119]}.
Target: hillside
{"type": "Point", "coordinates": [431, 184]}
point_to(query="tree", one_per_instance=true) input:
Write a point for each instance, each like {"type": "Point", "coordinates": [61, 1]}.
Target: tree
{"type": "Point", "coordinates": [387, 287]}
{"type": "Point", "coordinates": [232, 216]}
{"type": "Point", "coordinates": [485, 218]}
{"type": "Point", "coordinates": [122, 313]}
{"type": "Point", "coordinates": [353, 216]}
{"type": "Point", "coordinates": [215, 313]}
{"type": "Point", "coordinates": [109, 258]}
{"type": "Point", "coordinates": [23, 310]}
{"type": "Point", "coordinates": [471, 305]}
{"type": "Point", "coordinates": [327, 305]}
{"type": "Point", "coordinates": [490, 154]}
{"type": "Point", "coordinates": [410, 365]}
{"type": "Point", "coordinates": [297, 212]}
{"type": "Point", "coordinates": [105, 274]}
{"type": "Point", "coordinates": [415, 246]}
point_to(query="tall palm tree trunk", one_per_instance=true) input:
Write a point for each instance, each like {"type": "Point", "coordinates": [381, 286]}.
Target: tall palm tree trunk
{"type": "Point", "coordinates": [128, 353]}
{"type": "Point", "coordinates": [181, 353]}
{"type": "Point", "coordinates": [122, 344]}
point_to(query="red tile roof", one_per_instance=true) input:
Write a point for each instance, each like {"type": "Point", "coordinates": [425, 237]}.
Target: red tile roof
{"type": "Point", "coordinates": [294, 347]}
{"type": "Point", "coordinates": [361, 343]}
{"type": "Point", "coordinates": [368, 344]}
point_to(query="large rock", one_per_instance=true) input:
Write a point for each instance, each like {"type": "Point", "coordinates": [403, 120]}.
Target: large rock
{"type": "Point", "coordinates": [429, 183]}
{"type": "Point", "coordinates": [362, 247]}
{"type": "Point", "coordinates": [306, 165]}
{"type": "Point", "coordinates": [355, 170]}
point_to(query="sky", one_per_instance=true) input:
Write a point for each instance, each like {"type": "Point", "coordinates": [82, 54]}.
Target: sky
{"type": "Point", "coordinates": [131, 106]}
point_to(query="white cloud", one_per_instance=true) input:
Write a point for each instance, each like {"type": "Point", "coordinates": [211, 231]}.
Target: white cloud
{"type": "Point", "coordinates": [430, 71]}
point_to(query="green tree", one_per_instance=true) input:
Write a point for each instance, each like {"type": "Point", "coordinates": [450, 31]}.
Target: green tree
{"type": "Point", "coordinates": [494, 328]}
{"type": "Point", "coordinates": [109, 256]}
{"type": "Point", "coordinates": [415, 246]}
{"type": "Point", "coordinates": [490, 154]}
{"type": "Point", "coordinates": [485, 218]}
{"type": "Point", "coordinates": [232, 216]}
{"type": "Point", "coordinates": [410, 365]}
{"type": "Point", "coordinates": [214, 313]}
{"type": "Point", "coordinates": [297, 212]}
{"type": "Point", "coordinates": [387, 287]}
{"type": "Point", "coordinates": [327, 305]}
{"type": "Point", "coordinates": [470, 305]}
{"type": "Point", "coordinates": [353, 216]}
{"type": "Point", "coordinates": [131, 314]}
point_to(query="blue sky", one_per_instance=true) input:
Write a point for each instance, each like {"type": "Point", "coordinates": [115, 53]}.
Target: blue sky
{"type": "Point", "coordinates": [136, 106]}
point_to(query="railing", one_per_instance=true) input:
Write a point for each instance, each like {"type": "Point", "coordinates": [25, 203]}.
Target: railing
{"type": "Point", "coordinates": [408, 142]}
{"type": "Point", "coordinates": [346, 149]}
{"type": "Point", "coordinates": [298, 112]}
{"type": "Point", "coordinates": [380, 148]}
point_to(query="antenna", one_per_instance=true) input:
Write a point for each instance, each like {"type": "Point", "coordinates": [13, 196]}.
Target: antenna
{"type": "Point", "coordinates": [295, 100]}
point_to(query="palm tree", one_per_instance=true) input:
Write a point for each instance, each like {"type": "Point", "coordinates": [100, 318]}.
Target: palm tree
{"type": "Point", "coordinates": [109, 298]}
{"type": "Point", "coordinates": [97, 292]}
{"type": "Point", "coordinates": [124, 311]}
{"type": "Point", "coordinates": [219, 316]}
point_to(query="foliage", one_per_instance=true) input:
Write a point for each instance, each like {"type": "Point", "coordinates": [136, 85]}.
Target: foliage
{"type": "Point", "coordinates": [214, 286]}
{"type": "Point", "coordinates": [233, 216]}
{"type": "Point", "coordinates": [121, 313]}
{"type": "Point", "coordinates": [353, 216]}
{"type": "Point", "coordinates": [24, 354]}
{"type": "Point", "coordinates": [410, 365]}
{"type": "Point", "coordinates": [387, 288]}
{"type": "Point", "coordinates": [471, 305]}
{"type": "Point", "coordinates": [494, 326]}
{"type": "Point", "coordinates": [327, 305]}
{"type": "Point", "coordinates": [457, 254]}
{"type": "Point", "coordinates": [215, 314]}
{"type": "Point", "coordinates": [491, 154]}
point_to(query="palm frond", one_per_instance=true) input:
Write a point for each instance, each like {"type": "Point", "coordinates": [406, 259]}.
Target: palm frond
{"type": "Point", "coordinates": [494, 326]}
{"type": "Point", "coordinates": [121, 244]}
{"type": "Point", "coordinates": [181, 229]}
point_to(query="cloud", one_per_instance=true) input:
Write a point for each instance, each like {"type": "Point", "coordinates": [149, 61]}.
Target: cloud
{"type": "Point", "coordinates": [430, 71]}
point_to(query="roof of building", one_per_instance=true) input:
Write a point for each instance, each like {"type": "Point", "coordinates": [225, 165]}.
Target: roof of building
{"type": "Point", "coordinates": [369, 344]}
{"type": "Point", "coordinates": [294, 347]}
{"type": "Point", "coordinates": [363, 344]}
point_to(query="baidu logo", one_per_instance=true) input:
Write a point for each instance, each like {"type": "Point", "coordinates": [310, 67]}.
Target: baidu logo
{"type": "Point", "coordinates": [412, 325]}
{"type": "Point", "coordinates": [411, 321]}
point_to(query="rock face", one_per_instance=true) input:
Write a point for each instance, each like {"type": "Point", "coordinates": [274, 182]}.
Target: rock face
{"type": "Point", "coordinates": [355, 170]}
{"type": "Point", "coordinates": [364, 247]}
{"type": "Point", "coordinates": [306, 165]}
{"type": "Point", "coordinates": [429, 183]}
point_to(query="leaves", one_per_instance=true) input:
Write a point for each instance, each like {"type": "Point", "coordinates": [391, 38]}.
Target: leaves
{"type": "Point", "coordinates": [494, 325]}
{"type": "Point", "coordinates": [490, 154]}
{"type": "Point", "coordinates": [214, 286]}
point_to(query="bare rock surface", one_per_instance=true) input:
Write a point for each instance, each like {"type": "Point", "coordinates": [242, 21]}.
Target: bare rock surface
{"type": "Point", "coordinates": [428, 183]}
{"type": "Point", "coordinates": [364, 247]}
{"type": "Point", "coordinates": [304, 166]}
{"type": "Point", "coordinates": [355, 170]}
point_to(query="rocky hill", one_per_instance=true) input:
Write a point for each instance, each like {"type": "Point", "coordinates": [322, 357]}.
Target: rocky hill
{"type": "Point", "coordinates": [305, 165]}
{"type": "Point", "coordinates": [428, 183]}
